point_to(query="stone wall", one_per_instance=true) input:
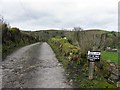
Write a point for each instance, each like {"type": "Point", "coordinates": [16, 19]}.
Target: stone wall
{"type": "Point", "coordinates": [114, 74]}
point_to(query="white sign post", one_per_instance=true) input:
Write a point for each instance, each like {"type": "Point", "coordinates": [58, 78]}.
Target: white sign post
{"type": "Point", "coordinates": [92, 57]}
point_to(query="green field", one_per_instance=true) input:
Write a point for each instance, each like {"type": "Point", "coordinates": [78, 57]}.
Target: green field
{"type": "Point", "coordinates": [113, 56]}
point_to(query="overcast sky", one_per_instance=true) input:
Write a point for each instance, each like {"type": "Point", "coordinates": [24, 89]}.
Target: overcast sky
{"type": "Point", "coordinates": [46, 14]}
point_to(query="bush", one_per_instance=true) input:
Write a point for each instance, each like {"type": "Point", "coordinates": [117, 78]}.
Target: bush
{"type": "Point", "coordinates": [69, 50]}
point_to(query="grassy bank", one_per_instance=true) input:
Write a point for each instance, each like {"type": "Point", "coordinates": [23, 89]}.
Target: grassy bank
{"type": "Point", "coordinates": [77, 67]}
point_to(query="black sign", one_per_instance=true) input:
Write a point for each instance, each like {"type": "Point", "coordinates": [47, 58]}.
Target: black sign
{"type": "Point", "coordinates": [93, 56]}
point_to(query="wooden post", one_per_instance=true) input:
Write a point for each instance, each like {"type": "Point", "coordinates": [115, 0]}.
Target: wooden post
{"type": "Point", "coordinates": [91, 70]}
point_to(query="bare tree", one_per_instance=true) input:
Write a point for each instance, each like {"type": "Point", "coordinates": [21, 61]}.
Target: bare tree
{"type": "Point", "coordinates": [89, 40]}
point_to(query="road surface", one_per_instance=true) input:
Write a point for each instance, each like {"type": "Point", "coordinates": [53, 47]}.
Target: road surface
{"type": "Point", "coordinates": [33, 66]}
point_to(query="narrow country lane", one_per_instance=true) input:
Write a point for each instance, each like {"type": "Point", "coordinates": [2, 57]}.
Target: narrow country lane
{"type": "Point", "coordinates": [33, 66]}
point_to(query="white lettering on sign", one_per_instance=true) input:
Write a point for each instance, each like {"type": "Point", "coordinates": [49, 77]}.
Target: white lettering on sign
{"type": "Point", "coordinates": [93, 53]}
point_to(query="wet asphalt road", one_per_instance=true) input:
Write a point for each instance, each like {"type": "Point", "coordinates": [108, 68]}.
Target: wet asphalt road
{"type": "Point", "coordinates": [33, 66]}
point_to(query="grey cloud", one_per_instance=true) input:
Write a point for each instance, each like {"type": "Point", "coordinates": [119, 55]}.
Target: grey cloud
{"type": "Point", "coordinates": [61, 14]}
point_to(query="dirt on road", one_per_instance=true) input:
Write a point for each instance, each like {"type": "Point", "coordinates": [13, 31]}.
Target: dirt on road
{"type": "Point", "coordinates": [33, 66]}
